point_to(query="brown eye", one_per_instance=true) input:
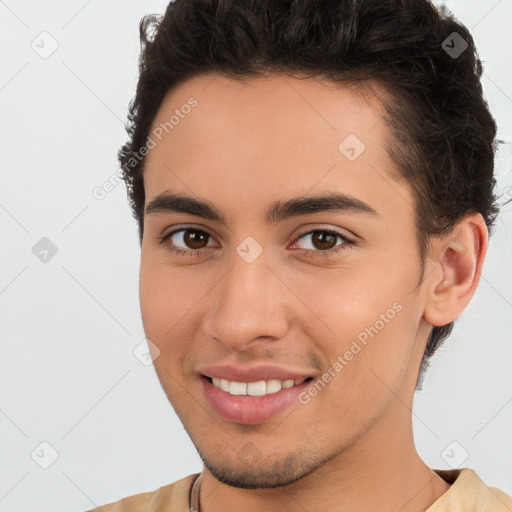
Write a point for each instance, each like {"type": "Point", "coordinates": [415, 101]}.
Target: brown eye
{"type": "Point", "coordinates": [195, 239]}
{"type": "Point", "coordinates": [187, 239]}
{"type": "Point", "coordinates": [323, 241]}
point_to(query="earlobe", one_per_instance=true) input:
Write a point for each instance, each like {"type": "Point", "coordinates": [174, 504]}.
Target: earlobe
{"type": "Point", "coordinates": [457, 261]}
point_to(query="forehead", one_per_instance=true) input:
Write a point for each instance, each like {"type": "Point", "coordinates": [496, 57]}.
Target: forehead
{"type": "Point", "coordinates": [270, 136]}
{"type": "Point", "coordinates": [275, 107]}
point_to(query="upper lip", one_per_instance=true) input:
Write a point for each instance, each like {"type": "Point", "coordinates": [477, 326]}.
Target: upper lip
{"type": "Point", "coordinates": [252, 373]}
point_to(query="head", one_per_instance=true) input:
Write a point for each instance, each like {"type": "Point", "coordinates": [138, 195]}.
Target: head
{"type": "Point", "coordinates": [250, 106]}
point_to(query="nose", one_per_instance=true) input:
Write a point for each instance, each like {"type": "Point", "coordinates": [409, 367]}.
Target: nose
{"type": "Point", "coordinates": [249, 303]}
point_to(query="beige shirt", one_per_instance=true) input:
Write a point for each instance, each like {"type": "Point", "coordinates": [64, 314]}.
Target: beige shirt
{"type": "Point", "coordinates": [468, 493]}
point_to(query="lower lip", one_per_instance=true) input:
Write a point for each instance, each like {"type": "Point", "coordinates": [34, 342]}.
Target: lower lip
{"type": "Point", "coordinates": [250, 410]}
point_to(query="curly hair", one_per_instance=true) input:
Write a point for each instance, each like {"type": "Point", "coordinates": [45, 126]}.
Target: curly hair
{"type": "Point", "coordinates": [442, 132]}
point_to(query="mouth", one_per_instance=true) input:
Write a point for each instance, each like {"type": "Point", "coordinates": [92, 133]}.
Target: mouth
{"type": "Point", "coordinates": [255, 388]}
{"type": "Point", "coordinates": [250, 403]}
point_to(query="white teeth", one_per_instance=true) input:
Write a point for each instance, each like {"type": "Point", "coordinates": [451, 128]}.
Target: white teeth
{"type": "Point", "coordinates": [273, 386]}
{"type": "Point", "coordinates": [238, 388]}
{"type": "Point", "coordinates": [258, 388]}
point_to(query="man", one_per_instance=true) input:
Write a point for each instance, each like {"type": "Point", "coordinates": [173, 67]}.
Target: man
{"type": "Point", "coordinates": [313, 182]}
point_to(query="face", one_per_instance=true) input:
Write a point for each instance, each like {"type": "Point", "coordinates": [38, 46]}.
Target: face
{"type": "Point", "coordinates": [253, 285]}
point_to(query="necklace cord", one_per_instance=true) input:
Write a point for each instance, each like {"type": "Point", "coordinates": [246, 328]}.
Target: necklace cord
{"type": "Point", "coordinates": [194, 495]}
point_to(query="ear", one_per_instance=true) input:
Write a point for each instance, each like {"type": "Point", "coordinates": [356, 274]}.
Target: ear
{"type": "Point", "coordinates": [455, 265]}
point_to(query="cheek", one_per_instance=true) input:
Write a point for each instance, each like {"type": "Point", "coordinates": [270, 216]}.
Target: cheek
{"type": "Point", "coordinates": [369, 359]}
{"type": "Point", "coordinates": [153, 295]}
{"type": "Point", "coordinates": [167, 294]}
{"type": "Point", "coordinates": [368, 320]}
{"type": "Point", "coordinates": [349, 300]}
{"type": "Point", "coordinates": [170, 302]}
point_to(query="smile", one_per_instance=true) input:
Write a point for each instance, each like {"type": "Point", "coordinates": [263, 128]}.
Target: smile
{"type": "Point", "coordinates": [257, 388]}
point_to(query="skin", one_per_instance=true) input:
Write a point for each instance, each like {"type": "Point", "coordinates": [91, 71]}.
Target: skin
{"type": "Point", "coordinates": [244, 146]}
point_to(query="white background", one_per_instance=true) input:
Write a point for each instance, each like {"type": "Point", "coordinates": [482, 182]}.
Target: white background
{"type": "Point", "coordinates": [69, 326]}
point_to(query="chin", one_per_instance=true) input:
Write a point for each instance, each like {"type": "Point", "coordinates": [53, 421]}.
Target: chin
{"type": "Point", "coordinates": [244, 475]}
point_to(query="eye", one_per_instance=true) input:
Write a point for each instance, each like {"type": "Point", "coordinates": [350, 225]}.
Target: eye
{"type": "Point", "coordinates": [322, 242]}
{"type": "Point", "coordinates": [192, 242]}
{"type": "Point", "coordinates": [186, 241]}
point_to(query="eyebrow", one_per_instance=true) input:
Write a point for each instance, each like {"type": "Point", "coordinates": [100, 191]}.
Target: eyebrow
{"type": "Point", "coordinates": [167, 202]}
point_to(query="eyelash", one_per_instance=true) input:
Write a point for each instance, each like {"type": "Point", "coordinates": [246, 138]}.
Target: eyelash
{"type": "Point", "coordinates": [308, 252]}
